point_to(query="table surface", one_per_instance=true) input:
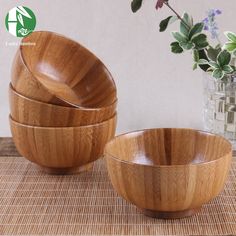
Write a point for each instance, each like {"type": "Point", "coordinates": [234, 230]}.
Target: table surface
{"type": "Point", "coordinates": [34, 203]}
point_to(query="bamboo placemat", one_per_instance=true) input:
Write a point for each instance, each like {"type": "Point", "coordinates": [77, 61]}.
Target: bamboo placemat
{"type": "Point", "coordinates": [33, 203]}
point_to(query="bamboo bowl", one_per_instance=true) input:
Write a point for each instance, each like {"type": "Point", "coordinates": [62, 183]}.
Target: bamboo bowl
{"type": "Point", "coordinates": [51, 68]}
{"type": "Point", "coordinates": [30, 112]}
{"type": "Point", "coordinates": [168, 173]}
{"type": "Point", "coordinates": [63, 150]}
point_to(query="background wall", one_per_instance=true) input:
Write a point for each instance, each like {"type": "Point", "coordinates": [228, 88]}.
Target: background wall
{"type": "Point", "coordinates": [155, 87]}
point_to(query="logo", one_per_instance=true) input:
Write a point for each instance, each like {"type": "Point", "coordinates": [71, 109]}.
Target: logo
{"type": "Point", "coordinates": [20, 21]}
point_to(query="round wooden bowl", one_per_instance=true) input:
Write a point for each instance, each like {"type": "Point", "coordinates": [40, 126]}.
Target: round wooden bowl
{"type": "Point", "coordinates": [51, 68]}
{"type": "Point", "coordinates": [62, 150]}
{"type": "Point", "coordinates": [31, 112]}
{"type": "Point", "coordinates": [168, 173]}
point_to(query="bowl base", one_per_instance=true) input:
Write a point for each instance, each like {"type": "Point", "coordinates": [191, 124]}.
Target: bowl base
{"type": "Point", "coordinates": [170, 214]}
{"type": "Point", "coordinates": [67, 171]}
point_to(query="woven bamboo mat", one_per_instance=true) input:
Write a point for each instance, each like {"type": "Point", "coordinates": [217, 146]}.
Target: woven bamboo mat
{"type": "Point", "coordinates": [33, 203]}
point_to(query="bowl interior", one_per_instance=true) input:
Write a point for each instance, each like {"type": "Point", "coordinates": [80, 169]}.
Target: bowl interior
{"type": "Point", "coordinates": [68, 70]}
{"type": "Point", "coordinates": [168, 147]}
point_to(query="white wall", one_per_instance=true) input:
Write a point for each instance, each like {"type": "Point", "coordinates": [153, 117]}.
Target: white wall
{"type": "Point", "coordinates": [155, 87]}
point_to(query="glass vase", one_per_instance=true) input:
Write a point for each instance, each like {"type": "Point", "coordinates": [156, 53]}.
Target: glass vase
{"type": "Point", "coordinates": [220, 106]}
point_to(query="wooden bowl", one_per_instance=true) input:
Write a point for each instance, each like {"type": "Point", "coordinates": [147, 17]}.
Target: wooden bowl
{"type": "Point", "coordinates": [62, 150]}
{"type": "Point", "coordinates": [51, 68]}
{"type": "Point", "coordinates": [30, 112]}
{"type": "Point", "coordinates": [168, 173]}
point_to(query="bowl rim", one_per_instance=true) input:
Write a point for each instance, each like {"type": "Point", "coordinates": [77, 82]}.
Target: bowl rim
{"type": "Point", "coordinates": [73, 41]}
{"type": "Point", "coordinates": [114, 117]}
{"type": "Point", "coordinates": [82, 109]}
{"type": "Point", "coordinates": [108, 155]}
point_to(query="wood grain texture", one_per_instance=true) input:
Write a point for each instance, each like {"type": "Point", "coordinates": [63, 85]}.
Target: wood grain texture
{"type": "Point", "coordinates": [31, 112]}
{"type": "Point", "coordinates": [33, 203]}
{"type": "Point", "coordinates": [169, 173]}
{"type": "Point", "coordinates": [60, 71]}
{"type": "Point", "coordinates": [60, 148]}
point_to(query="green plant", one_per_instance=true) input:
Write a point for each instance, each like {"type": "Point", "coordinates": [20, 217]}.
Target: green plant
{"type": "Point", "coordinates": [231, 44]}
{"type": "Point", "coordinates": [191, 37]}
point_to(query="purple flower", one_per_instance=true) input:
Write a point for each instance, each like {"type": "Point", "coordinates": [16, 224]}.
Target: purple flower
{"type": "Point", "coordinates": [160, 3]}
{"type": "Point", "coordinates": [218, 12]}
{"type": "Point", "coordinates": [210, 23]}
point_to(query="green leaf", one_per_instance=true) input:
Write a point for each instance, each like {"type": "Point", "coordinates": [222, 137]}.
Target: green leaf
{"type": "Point", "coordinates": [230, 46]}
{"type": "Point", "coordinates": [231, 36]}
{"type": "Point", "coordinates": [164, 24]}
{"type": "Point", "coordinates": [228, 69]}
{"type": "Point", "coordinates": [212, 53]}
{"type": "Point", "coordinates": [184, 29]}
{"type": "Point", "coordinates": [136, 5]}
{"type": "Point", "coordinates": [218, 74]}
{"type": "Point", "coordinates": [187, 46]}
{"type": "Point", "coordinates": [210, 69]}
{"type": "Point", "coordinates": [179, 37]}
{"type": "Point", "coordinates": [175, 48]}
{"type": "Point", "coordinates": [195, 55]}
{"type": "Point", "coordinates": [186, 25]}
{"type": "Point", "coordinates": [223, 58]}
{"type": "Point", "coordinates": [194, 66]}
{"type": "Point", "coordinates": [202, 55]}
{"type": "Point", "coordinates": [201, 45]}
{"type": "Point", "coordinates": [200, 41]}
{"type": "Point", "coordinates": [214, 65]}
{"type": "Point", "coordinates": [203, 62]}
{"type": "Point", "coordinates": [196, 29]}
{"type": "Point", "coordinates": [188, 19]}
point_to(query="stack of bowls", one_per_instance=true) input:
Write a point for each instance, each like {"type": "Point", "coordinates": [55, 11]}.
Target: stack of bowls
{"type": "Point", "coordinates": [62, 102]}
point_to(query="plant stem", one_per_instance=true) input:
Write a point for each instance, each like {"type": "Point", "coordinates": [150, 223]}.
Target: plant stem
{"type": "Point", "coordinates": [217, 38]}
{"type": "Point", "coordinates": [177, 14]}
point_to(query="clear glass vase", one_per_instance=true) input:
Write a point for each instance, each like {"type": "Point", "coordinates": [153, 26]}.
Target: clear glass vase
{"type": "Point", "coordinates": [220, 106]}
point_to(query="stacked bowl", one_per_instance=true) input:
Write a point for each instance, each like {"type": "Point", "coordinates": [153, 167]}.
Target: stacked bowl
{"type": "Point", "coordinates": [62, 103]}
